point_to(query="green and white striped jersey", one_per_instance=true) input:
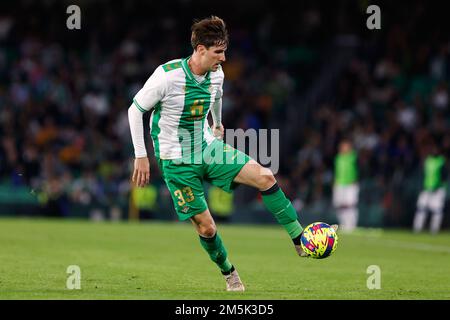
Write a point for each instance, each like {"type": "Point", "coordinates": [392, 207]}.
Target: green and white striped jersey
{"type": "Point", "coordinates": [181, 103]}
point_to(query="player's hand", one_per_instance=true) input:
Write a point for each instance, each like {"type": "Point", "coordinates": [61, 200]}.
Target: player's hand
{"type": "Point", "coordinates": [141, 173]}
{"type": "Point", "coordinates": [218, 131]}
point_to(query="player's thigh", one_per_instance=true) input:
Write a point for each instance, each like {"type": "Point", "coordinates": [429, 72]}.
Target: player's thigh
{"type": "Point", "coordinates": [351, 194]}
{"type": "Point", "coordinates": [422, 201]}
{"type": "Point", "coordinates": [437, 200]}
{"type": "Point", "coordinates": [254, 175]}
{"type": "Point", "coordinates": [227, 164]}
{"type": "Point", "coordinates": [186, 189]}
{"type": "Point", "coordinates": [338, 195]}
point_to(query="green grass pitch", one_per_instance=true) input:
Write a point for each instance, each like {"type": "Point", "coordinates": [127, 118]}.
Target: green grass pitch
{"type": "Point", "coordinates": [153, 260]}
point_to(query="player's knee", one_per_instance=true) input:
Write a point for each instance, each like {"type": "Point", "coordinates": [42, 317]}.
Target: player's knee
{"type": "Point", "coordinates": [266, 181]}
{"type": "Point", "coordinates": [207, 230]}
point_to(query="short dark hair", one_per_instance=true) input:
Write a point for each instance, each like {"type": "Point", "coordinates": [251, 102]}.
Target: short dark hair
{"type": "Point", "coordinates": [209, 32]}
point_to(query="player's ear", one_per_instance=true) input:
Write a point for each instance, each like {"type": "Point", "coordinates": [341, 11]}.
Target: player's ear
{"type": "Point", "coordinates": [201, 49]}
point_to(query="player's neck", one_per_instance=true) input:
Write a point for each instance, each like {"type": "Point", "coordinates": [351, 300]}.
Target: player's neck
{"type": "Point", "coordinates": [194, 65]}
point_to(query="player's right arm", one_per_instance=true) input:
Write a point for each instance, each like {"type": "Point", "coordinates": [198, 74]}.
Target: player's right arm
{"type": "Point", "coordinates": [151, 93]}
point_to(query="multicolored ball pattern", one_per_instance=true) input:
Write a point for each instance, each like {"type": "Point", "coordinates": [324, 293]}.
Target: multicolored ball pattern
{"type": "Point", "coordinates": [319, 240]}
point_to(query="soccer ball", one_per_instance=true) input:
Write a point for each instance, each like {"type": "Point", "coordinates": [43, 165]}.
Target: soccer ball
{"type": "Point", "coordinates": [319, 240]}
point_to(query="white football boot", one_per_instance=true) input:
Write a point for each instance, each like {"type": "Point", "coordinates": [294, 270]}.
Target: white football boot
{"type": "Point", "coordinates": [234, 283]}
{"type": "Point", "coordinates": [300, 251]}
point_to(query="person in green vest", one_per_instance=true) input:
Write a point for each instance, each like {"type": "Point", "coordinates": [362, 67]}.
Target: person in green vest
{"type": "Point", "coordinates": [432, 197]}
{"type": "Point", "coordinates": [143, 202]}
{"type": "Point", "coordinates": [346, 188]}
{"type": "Point", "coordinates": [221, 204]}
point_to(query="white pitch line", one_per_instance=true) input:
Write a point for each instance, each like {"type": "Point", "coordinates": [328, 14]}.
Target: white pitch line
{"type": "Point", "coordinates": [415, 245]}
{"type": "Point", "coordinates": [378, 235]}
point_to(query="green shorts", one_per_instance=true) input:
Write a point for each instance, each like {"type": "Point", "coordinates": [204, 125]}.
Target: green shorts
{"type": "Point", "coordinates": [219, 165]}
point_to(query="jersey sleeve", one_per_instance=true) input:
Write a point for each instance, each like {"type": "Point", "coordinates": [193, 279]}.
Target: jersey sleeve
{"type": "Point", "coordinates": [137, 131]}
{"type": "Point", "coordinates": [152, 92]}
{"type": "Point", "coordinates": [216, 111]}
{"type": "Point", "coordinates": [219, 93]}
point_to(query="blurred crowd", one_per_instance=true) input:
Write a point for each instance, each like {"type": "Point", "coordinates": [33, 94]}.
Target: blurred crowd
{"type": "Point", "coordinates": [64, 94]}
{"type": "Point", "coordinates": [392, 102]}
{"type": "Point", "coordinates": [393, 107]}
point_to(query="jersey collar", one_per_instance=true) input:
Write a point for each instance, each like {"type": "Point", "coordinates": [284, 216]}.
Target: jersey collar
{"type": "Point", "coordinates": [187, 70]}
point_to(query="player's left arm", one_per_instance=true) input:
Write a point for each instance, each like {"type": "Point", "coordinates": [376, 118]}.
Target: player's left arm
{"type": "Point", "coordinates": [216, 113]}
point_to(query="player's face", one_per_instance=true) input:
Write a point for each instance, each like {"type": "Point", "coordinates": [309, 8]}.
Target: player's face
{"type": "Point", "coordinates": [213, 57]}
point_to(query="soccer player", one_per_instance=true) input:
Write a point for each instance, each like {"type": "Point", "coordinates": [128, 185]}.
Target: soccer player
{"type": "Point", "coordinates": [181, 93]}
{"type": "Point", "coordinates": [432, 196]}
{"type": "Point", "coordinates": [346, 189]}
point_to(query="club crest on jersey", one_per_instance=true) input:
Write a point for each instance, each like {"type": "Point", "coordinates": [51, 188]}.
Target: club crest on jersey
{"type": "Point", "coordinates": [185, 209]}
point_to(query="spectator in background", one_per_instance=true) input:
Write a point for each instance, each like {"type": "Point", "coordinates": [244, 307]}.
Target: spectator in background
{"type": "Point", "coordinates": [346, 189]}
{"type": "Point", "coordinates": [62, 93]}
{"type": "Point", "coordinates": [432, 197]}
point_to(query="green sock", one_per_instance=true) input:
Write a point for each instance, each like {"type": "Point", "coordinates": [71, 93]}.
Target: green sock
{"type": "Point", "coordinates": [216, 251]}
{"type": "Point", "coordinates": [276, 202]}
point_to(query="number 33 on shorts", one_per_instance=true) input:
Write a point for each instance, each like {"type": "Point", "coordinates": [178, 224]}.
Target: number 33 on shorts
{"type": "Point", "coordinates": [188, 195]}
